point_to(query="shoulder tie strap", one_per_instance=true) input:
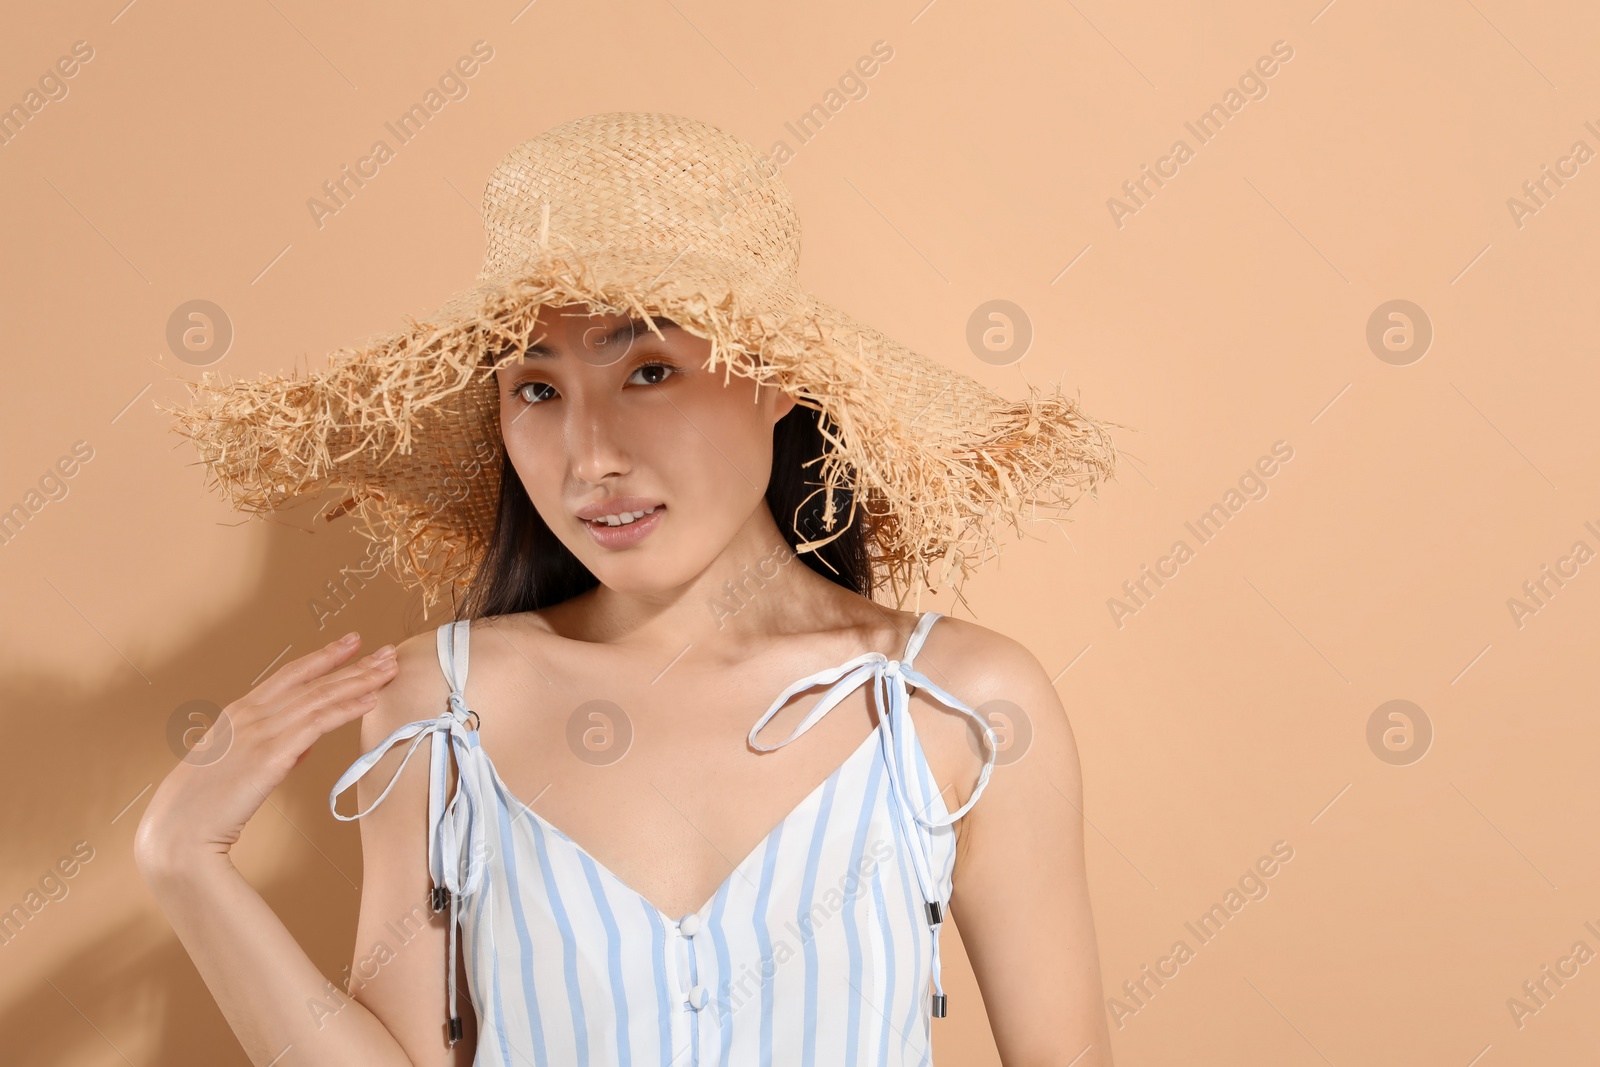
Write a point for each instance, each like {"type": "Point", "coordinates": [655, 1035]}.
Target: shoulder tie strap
{"type": "Point", "coordinates": [890, 681]}
{"type": "Point", "coordinates": [457, 837]}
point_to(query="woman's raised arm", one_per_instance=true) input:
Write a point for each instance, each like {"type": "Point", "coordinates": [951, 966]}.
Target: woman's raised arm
{"type": "Point", "coordinates": [261, 978]}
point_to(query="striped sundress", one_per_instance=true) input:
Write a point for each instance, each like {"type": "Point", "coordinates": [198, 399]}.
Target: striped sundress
{"type": "Point", "coordinates": [818, 949]}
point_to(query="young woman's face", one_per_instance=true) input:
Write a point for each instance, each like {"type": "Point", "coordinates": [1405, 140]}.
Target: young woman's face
{"type": "Point", "coordinates": [644, 464]}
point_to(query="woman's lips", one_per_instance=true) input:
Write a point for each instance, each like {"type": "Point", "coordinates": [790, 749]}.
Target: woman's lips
{"type": "Point", "coordinates": [628, 534]}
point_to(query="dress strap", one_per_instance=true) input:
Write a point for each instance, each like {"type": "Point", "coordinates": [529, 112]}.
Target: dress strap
{"type": "Point", "coordinates": [454, 640]}
{"type": "Point", "coordinates": [919, 634]}
{"type": "Point", "coordinates": [891, 682]}
{"type": "Point", "coordinates": [458, 847]}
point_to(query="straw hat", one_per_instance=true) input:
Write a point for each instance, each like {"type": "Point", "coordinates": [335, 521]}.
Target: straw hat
{"type": "Point", "coordinates": [646, 214]}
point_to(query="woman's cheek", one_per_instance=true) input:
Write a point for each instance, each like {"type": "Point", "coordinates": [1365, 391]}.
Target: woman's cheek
{"type": "Point", "coordinates": [536, 464]}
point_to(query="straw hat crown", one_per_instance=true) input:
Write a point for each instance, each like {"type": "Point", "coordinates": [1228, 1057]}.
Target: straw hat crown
{"type": "Point", "coordinates": [651, 192]}
{"type": "Point", "coordinates": [647, 215]}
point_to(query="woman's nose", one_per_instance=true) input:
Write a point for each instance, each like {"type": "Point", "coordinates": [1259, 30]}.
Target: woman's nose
{"type": "Point", "coordinates": [596, 448]}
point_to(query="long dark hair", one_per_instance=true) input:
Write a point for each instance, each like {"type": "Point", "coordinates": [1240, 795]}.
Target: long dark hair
{"type": "Point", "coordinates": [527, 567]}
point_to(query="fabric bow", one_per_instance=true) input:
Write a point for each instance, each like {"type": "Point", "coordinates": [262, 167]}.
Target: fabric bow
{"type": "Point", "coordinates": [457, 839]}
{"type": "Point", "coordinates": [892, 681]}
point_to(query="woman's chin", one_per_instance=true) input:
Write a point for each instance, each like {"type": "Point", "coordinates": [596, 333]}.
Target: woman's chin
{"type": "Point", "coordinates": [645, 570]}
{"type": "Point", "coordinates": [664, 559]}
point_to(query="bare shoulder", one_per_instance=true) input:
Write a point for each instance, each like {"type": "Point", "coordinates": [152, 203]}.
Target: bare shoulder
{"type": "Point", "coordinates": [980, 663]}
{"type": "Point", "coordinates": [417, 691]}
{"type": "Point", "coordinates": [1005, 684]}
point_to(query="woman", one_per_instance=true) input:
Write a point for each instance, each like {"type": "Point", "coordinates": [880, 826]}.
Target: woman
{"type": "Point", "coordinates": [650, 552]}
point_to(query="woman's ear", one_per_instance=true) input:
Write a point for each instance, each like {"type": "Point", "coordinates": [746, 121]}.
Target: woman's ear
{"type": "Point", "coordinates": [781, 404]}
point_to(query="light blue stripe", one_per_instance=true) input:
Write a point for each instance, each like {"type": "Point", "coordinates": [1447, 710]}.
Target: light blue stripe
{"type": "Point", "coordinates": [852, 936]}
{"type": "Point", "coordinates": [694, 1018]}
{"type": "Point", "coordinates": [496, 1020]}
{"type": "Point", "coordinates": [919, 920]}
{"type": "Point", "coordinates": [924, 778]}
{"type": "Point", "coordinates": [658, 947]}
{"type": "Point", "coordinates": [764, 940]}
{"type": "Point", "coordinates": [569, 947]}
{"type": "Point", "coordinates": [524, 942]}
{"type": "Point", "coordinates": [719, 939]}
{"type": "Point", "coordinates": [808, 1034]}
{"type": "Point", "coordinates": [619, 995]}
{"type": "Point", "coordinates": [889, 950]}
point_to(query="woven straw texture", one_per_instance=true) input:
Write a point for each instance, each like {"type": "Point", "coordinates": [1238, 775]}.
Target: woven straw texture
{"type": "Point", "coordinates": [646, 215]}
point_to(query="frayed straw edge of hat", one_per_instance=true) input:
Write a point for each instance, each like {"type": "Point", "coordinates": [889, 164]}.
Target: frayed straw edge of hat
{"type": "Point", "coordinates": [934, 513]}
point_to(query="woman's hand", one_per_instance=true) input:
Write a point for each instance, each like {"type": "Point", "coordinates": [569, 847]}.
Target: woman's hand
{"type": "Point", "coordinates": [262, 979]}
{"type": "Point", "coordinates": [201, 807]}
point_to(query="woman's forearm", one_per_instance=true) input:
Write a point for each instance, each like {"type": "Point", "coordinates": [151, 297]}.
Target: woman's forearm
{"type": "Point", "coordinates": [270, 992]}
{"type": "Point", "coordinates": [266, 985]}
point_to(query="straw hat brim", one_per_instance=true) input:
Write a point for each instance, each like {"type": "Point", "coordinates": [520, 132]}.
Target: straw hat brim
{"type": "Point", "coordinates": [407, 424]}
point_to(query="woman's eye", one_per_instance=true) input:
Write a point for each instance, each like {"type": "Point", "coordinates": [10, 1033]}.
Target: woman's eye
{"type": "Point", "coordinates": [533, 392]}
{"type": "Point", "coordinates": [651, 374]}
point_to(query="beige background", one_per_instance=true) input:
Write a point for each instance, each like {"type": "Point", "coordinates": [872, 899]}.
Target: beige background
{"type": "Point", "coordinates": [1230, 312]}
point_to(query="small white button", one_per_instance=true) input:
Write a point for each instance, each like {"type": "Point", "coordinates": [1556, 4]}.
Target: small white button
{"type": "Point", "coordinates": [697, 997]}
{"type": "Point", "coordinates": [689, 925]}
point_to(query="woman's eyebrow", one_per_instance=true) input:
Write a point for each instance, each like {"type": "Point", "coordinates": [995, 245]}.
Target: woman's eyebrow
{"type": "Point", "coordinates": [630, 329]}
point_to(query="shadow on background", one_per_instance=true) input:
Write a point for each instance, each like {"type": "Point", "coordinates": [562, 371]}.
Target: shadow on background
{"type": "Point", "coordinates": [96, 997]}
{"type": "Point", "coordinates": [126, 992]}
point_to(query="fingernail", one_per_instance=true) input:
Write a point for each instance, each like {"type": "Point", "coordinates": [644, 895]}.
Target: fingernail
{"type": "Point", "coordinates": [350, 638]}
{"type": "Point", "coordinates": [384, 653]}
